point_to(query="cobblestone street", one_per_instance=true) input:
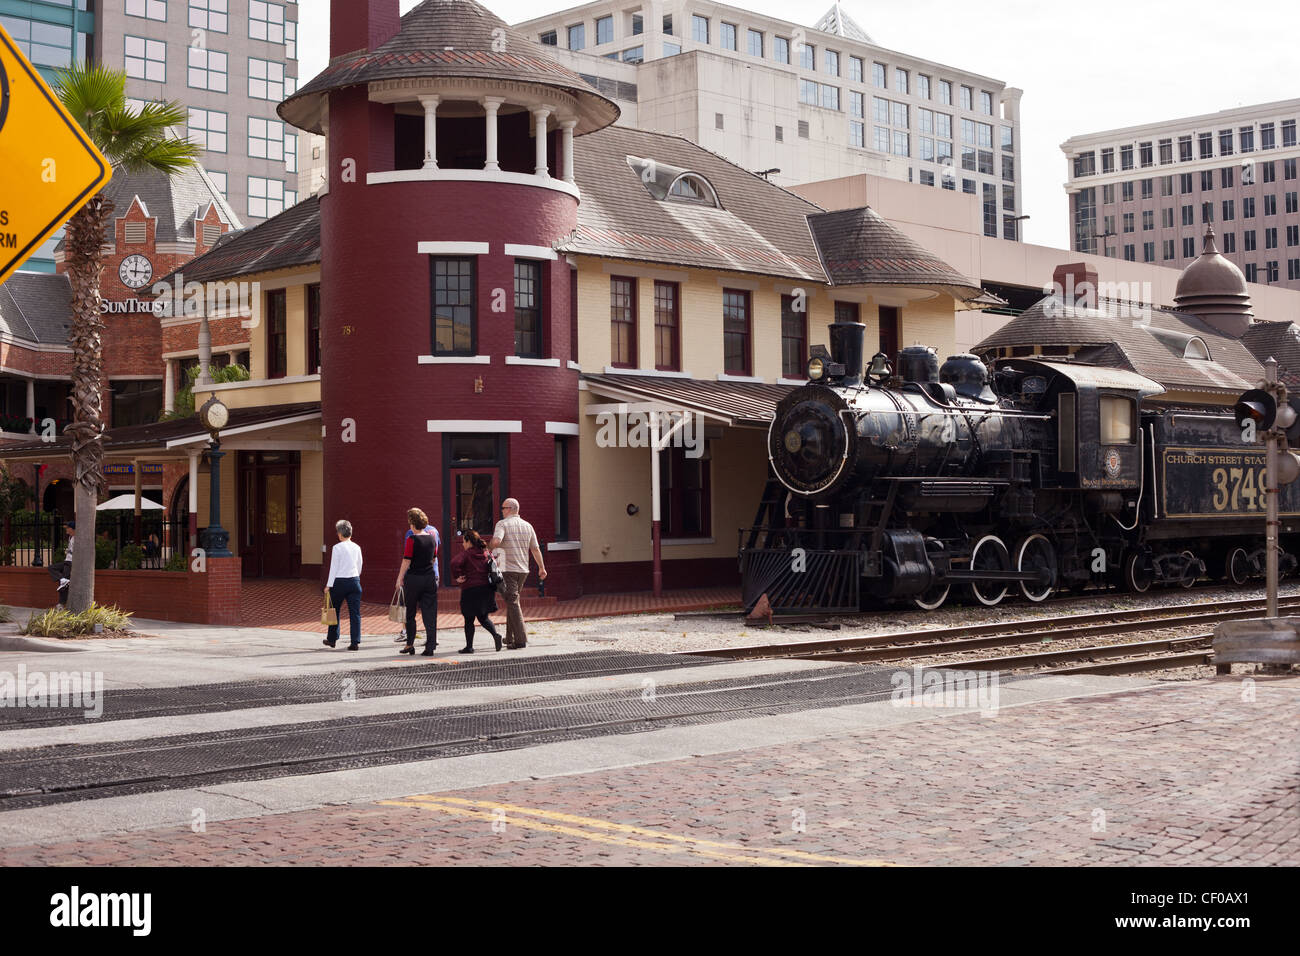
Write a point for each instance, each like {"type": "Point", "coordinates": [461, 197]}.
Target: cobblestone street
{"type": "Point", "coordinates": [1179, 773]}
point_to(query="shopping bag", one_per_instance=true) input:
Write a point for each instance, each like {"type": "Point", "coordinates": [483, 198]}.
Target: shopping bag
{"type": "Point", "coordinates": [329, 617]}
{"type": "Point", "coordinates": [494, 575]}
{"type": "Point", "coordinates": [397, 608]}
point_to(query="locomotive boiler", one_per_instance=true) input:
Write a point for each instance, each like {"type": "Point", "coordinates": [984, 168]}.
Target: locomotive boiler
{"type": "Point", "coordinates": [1034, 475]}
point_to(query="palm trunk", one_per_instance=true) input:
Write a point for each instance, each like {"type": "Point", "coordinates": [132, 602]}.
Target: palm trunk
{"type": "Point", "coordinates": [85, 260]}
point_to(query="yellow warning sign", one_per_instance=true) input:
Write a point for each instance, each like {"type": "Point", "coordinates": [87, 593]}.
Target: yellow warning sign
{"type": "Point", "coordinates": [48, 166]}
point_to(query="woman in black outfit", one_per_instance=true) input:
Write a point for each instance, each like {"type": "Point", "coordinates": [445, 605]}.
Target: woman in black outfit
{"type": "Point", "coordinates": [417, 577]}
{"type": "Point", "coordinates": [477, 595]}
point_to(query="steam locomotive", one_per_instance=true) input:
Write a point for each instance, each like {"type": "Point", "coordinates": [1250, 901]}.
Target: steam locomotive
{"type": "Point", "coordinates": [1032, 476]}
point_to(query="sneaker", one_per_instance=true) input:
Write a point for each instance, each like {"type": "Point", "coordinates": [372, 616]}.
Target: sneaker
{"type": "Point", "coordinates": [64, 582]}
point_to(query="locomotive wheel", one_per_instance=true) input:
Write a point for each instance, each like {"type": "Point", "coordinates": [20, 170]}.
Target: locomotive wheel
{"type": "Point", "coordinates": [1237, 566]}
{"type": "Point", "coordinates": [1188, 582]}
{"type": "Point", "coordinates": [932, 599]}
{"type": "Point", "coordinates": [1037, 554]}
{"type": "Point", "coordinates": [989, 554]}
{"type": "Point", "coordinates": [1139, 575]}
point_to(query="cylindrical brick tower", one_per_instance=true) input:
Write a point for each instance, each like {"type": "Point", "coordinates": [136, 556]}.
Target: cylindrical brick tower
{"type": "Point", "coordinates": [446, 379]}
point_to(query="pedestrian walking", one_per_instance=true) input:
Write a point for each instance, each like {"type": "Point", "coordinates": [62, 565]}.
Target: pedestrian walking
{"type": "Point", "coordinates": [62, 573]}
{"type": "Point", "coordinates": [418, 577]}
{"type": "Point", "coordinates": [344, 584]}
{"type": "Point", "coordinates": [478, 599]}
{"type": "Point", "coordinates": [517, 540]}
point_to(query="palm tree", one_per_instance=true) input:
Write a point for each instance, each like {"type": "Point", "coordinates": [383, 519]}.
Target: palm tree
{"type": "Point", "coordinates": [132, 142]}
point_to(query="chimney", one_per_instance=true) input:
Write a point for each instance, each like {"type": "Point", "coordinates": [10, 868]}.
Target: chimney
{"type": "Point", "coordinates": [1076, 284]}
{"type": "Point", "coordinates": [361, 25]}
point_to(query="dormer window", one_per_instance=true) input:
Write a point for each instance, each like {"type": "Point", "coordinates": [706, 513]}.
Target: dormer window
{"type": "Point", "coordinates": [691, 188]}
{"type": "Point", "coordinates": [1197, 349]}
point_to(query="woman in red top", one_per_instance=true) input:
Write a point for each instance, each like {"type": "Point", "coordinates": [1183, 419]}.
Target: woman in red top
{"type": "Point", "coordinates": [477, 596]}
{"type": "Point", "coordinates": [420, 581]}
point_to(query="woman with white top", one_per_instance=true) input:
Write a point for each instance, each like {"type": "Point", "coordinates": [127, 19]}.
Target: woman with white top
{"type": "Point", "coordinates": [344, 584]}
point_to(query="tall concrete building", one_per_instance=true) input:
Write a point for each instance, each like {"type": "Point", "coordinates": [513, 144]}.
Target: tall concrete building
{"type": "Point", "coordinates": [1146, 193]}
{"type": "Point", "coordinates": [230, 62]}
{"type": "Point", "coordinates": [798, 103]}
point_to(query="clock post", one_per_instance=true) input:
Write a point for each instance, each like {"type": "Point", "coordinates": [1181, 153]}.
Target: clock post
{"type": "Point", "coordinates": [216, 539]}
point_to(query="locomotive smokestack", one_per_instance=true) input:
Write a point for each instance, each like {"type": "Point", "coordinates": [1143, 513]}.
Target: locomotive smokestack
{"type": "Point", "coordinates": [846, 348]}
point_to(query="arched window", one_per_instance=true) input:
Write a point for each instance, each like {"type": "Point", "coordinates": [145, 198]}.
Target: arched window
{"type": "Point", "coordinates": [1197, 349]}
{"type": "Point", "coordinates": [690, 187]}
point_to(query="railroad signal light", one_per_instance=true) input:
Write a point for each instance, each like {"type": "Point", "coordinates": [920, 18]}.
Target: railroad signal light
{"type": "Point", "coordinates": [1288, 467]}
{"type": "Point", "coordinates": [1256, 407]}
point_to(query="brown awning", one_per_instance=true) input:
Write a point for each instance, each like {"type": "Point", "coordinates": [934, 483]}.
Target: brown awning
{"type": "Point", "coordinates": [170, 439]}
{"type": "Point", "coordinates": [744, 404]}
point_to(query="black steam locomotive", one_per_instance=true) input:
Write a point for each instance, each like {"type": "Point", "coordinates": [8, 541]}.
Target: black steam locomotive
{"type": "Point", "coordinates": [961, 480]}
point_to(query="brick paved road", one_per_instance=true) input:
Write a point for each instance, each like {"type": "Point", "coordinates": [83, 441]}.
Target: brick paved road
{"type": "Point", "coordinates": [1179, 774]}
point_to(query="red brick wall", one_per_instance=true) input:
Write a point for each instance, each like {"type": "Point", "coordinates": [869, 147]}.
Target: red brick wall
{"type": "Point", "coordinates": [209, 598]}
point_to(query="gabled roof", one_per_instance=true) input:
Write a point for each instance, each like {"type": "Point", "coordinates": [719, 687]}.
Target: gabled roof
{"type": "Point", "coordinates": [285, 241]}
{"type": "Point", "coordinates": [36, 307]}
{"type": "Point", "coordinates": [176, 200]}
{"type": "Point", "coordinates": [858, 247]}
{"type": "Point", "coordinates": [450, 38]}
{"type": "Point", "coordinates": [760, 228]}
{"type": "Point", "coordinates": [1278, 340]}
{"type": "Point", "coordinates": [1154, 347]}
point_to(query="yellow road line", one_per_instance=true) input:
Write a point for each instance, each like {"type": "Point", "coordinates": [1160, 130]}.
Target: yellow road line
{"type": "Point", "coordinates": [624, 841]}
{"type": "Point", "coordinates": [596, 823]}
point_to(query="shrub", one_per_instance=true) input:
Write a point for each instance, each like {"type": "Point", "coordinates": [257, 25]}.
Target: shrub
{"type": "Point", "coordinates": [6, 614]}
{"type": "Point", "coordinates": [176, 562]}
{"type": "Point", "coordinates": [131, 558]}
{"type": "Point", "coordinates": [105, 552]}
{"type": "Point", "coordinates": [60, 622]}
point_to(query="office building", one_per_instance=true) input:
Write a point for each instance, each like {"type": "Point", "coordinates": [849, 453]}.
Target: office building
{"type": "Point", "coordinates": [1146, 193]}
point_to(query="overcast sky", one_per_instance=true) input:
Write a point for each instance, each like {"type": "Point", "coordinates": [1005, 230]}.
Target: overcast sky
{"type": "Point", "coordinates": [1083, 67]}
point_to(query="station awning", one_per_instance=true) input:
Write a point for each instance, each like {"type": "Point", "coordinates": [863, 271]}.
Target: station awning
{"type": "Point", "coordinates": [738, 404]}
{"type": "Point", "coordinates": [170, 439]}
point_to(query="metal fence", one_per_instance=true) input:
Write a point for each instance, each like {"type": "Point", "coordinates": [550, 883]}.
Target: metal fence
{"type": "Point", "coordinates": [33, 541]}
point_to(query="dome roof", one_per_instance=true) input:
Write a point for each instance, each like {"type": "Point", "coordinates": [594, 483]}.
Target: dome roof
{"type": "Point", "coordinates": [1210, 275]}
{"type": "Point", "coordinates": [443, 39]}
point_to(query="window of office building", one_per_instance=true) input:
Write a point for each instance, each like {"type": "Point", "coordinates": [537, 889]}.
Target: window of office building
{"type": "Point", "coordinates": [901, 143]}
{"type": "Point", "coordinates": [1267, 136]}
{"type": "Point", "coordinates": [1268, 172]}
{"type": "Point", "coordinates": [990, 199]}
{"type": "Point", "coordinates": [605, 30]}
{"type": "Point", "coordinates": [136, 402]}
{"type": "Point", "coordinates": [1252, 272]}
{"type": "Point", "coordinates": [578, 36]}
{"type": "Point", "coordinates": [1207, 212]}
{"type": "Point", "coordinates": [265, 21]}
{"type": "Point", "coordinates": [880, 138]}
{"type": "Point", "coordinates": [1189, 247]}
{"type": "Point", "coordinates": [1270, 271]}
{"type": "Point", "coordinates": [1130, 253]}
{"type": "Point", "coordinates": [830, 97]}
{"type": "Point", "coordinates": [1270, 238]}
{"type": "Point", "coordinates": [808, 92]}
{"type": "Point", "coordinates": [1229, 242]}
{"type": "Point", "coordinates": [945, 92]}
{"type": "Point", "coordinates": [1247, 139]}
{"type": "Point", "coordinates": [1166, 151]}
{"type": "Point", "coordinates": [207, 128]}
{"type": "Point", "coordinates": [1225, 142]}
{"type": "Point", "coordinates": [265, 139]}
{"type": "Point", "coordinates": [1206, 145]}
{"type": "Point", "coordinates": [1148, 219]}
{"type": "Point", "coordinates": [923, 86]}
{"type": "Point", "coordinates": [1207, 180]}
{"type": "Point", "coordinates": [986, 103]}
{"type": "Point", "coordinates": [1167, 248]}
{"type": "Point", "coordinates": [878, 75]}
{"type": "Point", "coordinates": [781, 49]}
{"type": "Point", "coordinates": [1288, 169]}
{"type": "Point", "coordinates": [1008, 138]}
{"type": "Point", "coordinates": [668, 24]}
{"type": "Point", "coordinates": [1270, 205]}
{"type": "Point", "coordinates": [1227, 210]}
{"type": "Point", "coordinates": [1184, 149]}
{"type": "Point", "coordinates": [1166, 185]}
{"type": "Point", "coordinates": [1126, 157]}
{"type": "Point", "coordinates": [1189, 216]}
{"type": "Point", "coordinates": [266, 80]}
{"type": "Point", "coordinates": [699, 28]}
{"type": "Point", "coordinates": [855, 104]}
{"type": "Point", "coordinates": [900, 114]}
{"type": "Point", "coordinates": [967, 95]}
{"type": "Point", "coordinates": [1167, 217]}
{"type": "Point", "coordinates": [549, 38]}
{"type": "Point", "coordinates": [1248, 240]}
{"type": "Point", "coordinates": [1184, 183]}
{"type": "Point", "coordinates": [808, 56]}
{"type": "Point", "coordinates": [1225, 177]}
{"type": "Point", "coordinates": [1148, 189]}
{"type": "Point", "coordinates": [1145, 156]}
{"type": "Point", "coordinates": [146, 59]}
{"type": "Point", "coordinates": [266, 197]}
{"type": "Point", "coordinates": [1009, 170]}
{"type": "Point", "coordinates": [1084, 163]}
{"type": "Point", "coordinates": [727, 36]}
{"type": "Point", "coordinates": [1288, 133]}
{"type": "Point", "coordinates": [1248, 207]}
{"type": "Point", "coordinates": [831, 60]}
{"type": "Point", "coordinates": [1293, 235]}
{"type": "Point", "coordinates": [900, 80]}
{"type": "Point", "coordinates": [1108, 160]}
{"type": "Point", "coordinates": [1128, 221]}
{"type": "Point", "coordinates": [1126, 191]}
{"type": "Point", "coordinates": [754, 42]}
{"type": "Point", "coordinates": [1293, 268]}
{"type": "Point", "coordinates": [1107, 193]}
{"type": "Point", "coordinates": [150, 9]}
{"type": "Point", "coordinates": [1291, 203]}
{"type": "Point", "coordinates": [1148, 252]}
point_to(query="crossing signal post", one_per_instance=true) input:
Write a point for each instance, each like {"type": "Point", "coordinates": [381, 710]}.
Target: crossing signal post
{"type": "Point", "coordinates": [1264, 413]}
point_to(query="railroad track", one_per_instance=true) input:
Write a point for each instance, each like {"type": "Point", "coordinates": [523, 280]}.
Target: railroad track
{"type": "Point", "coordinates": [940, 642]}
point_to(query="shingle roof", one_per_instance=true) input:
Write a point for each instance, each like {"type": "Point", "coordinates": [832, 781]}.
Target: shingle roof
{"type": "Point", "coordinates": [1279, 340]}
{"type": "Point", "coordinates": [290, 239]}
{"type": "Point", "coordinates": [450, 38]}
{"type": "Point", "coordinates": [739, 403]}
{"type": "Point", "coordinates": [859, 247]}
{"type": "Point", "coordinates": [1154, 348]}
{"type": "Point", "coordinates": [760, 228]}
{"type": "Point", "coordinates": [36, 307]}
{"type": "Point", "coordinates": [156, 435]}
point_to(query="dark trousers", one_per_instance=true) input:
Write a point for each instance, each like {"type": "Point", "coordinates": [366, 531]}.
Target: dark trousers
{"type": "Point", "coordinates": [349, 590]}
{"type": "Point", "coordinates": [58, 572]}
{"type": "Point", "coordinates": [422, 591]}
{"type": "Point", "coordinates": [477, 603]}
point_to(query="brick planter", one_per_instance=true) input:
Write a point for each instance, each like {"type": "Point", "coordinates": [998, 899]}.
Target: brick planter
{"type": "Point", "coordinates": [209, 598]}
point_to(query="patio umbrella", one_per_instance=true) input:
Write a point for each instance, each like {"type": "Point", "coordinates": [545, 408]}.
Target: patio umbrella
{"type": "Point", "coordinates": [127, 503]}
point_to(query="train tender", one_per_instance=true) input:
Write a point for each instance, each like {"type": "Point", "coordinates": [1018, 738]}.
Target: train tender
{"type": "Point", "coordinates": [1032, 476]}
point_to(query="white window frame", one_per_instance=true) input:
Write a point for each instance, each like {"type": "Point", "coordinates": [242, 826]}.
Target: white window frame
{"type": "Point", "coordinates": [143, 54]}
{"type": "Point", "coordinates": [263, 84]}
{"type": "Point", "coordinates": [204, 133]}
{"type": "Point", "coordinates": [265, 139]}
{"type": "Point", "coordinates": [264, 198]}
{"type": "Point", "coordinates": [207, 69]}
{"type": "Point", "coordinates": [147, 9]}
{"type": "Point", "coordinates": [211, 15]}
{"type": "Point", "coordinates": [266, 21]}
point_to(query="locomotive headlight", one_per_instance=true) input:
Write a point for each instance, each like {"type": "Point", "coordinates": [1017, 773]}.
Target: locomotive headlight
{"type": "Point", "coordinates": [816, 369]}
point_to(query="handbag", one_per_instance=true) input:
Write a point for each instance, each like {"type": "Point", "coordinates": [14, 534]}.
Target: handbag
{"type": "Point", "coordinates": [494, 575]}
{"type": "Point", "coordinates": [329, 617]}
{"type": "Point", "coordinates": [397, 608]}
